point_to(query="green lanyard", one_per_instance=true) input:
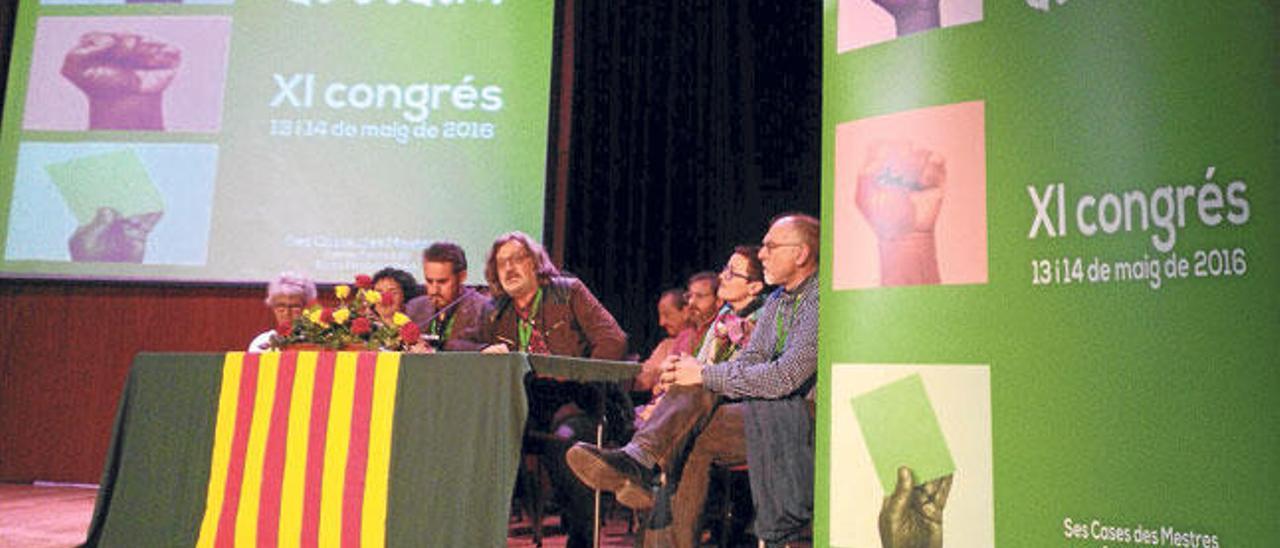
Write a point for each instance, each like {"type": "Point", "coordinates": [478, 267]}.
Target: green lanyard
{"type": "Point", "coordinates": [434, 328]}
{"type": "Point", "coordinates": [524, 324]}
{"type": "Point", "coordinates": [784, 328]}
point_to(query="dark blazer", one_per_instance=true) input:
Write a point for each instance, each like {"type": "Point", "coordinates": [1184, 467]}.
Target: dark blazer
{"type": "Point", "coordinates": [470, 312]}
{"type": "Point", "coordinates": [571, 320]}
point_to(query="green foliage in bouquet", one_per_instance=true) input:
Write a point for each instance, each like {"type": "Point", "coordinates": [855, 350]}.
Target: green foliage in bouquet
{"type": "Point", "coordinates": [352, 324]}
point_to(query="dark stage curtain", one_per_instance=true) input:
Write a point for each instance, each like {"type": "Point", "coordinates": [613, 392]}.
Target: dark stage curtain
{"type": "Point", "coordinates": [693, 124]}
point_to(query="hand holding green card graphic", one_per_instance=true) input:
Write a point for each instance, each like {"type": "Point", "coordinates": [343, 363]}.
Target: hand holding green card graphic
{"type": "Point", "coordinates": [110, 238]}
{"type": "Point", "coordinates": [912, 461]}
{"type": "Point", "coordinates": [911, 517]}
{"type": "Point", "coordinates": [115, 204]}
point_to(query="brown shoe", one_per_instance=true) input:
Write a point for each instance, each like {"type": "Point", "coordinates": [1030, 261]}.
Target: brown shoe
{"type": "Point", "coordinates": [612, 470]}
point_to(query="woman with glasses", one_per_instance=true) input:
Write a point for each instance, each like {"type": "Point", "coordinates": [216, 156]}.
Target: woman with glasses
{"type": "Point", "coordinates": [287, 295]}
{"type": "Point", "coordinates": [741, 289]}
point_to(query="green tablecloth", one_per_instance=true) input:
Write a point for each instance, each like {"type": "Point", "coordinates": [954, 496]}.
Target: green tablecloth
{"type": "Point", "coordinates": [455, 447]}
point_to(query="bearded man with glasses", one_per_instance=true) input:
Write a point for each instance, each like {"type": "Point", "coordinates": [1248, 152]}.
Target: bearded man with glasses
{"type": "Point", "coordinates": [538, 311]}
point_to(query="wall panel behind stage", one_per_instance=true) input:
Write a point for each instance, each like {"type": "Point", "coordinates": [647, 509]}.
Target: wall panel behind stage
{"type": "Point", "coordinates": [65, 350]}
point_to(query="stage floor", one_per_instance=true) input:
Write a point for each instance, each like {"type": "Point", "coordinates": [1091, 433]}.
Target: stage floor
{"type": "Point", "coordinates": [48, 516]}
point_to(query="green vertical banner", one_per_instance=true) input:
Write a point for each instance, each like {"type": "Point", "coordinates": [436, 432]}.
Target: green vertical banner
{"type": "Point", "coordinates": [1050, 308]}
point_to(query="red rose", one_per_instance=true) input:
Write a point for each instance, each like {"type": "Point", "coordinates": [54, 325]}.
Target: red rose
{"type": "Point", "coordinates": [284, 329]}
{"type": "Point", "coordinates": [364, 281]}
{"type": "Point", "coordinates": [360, 326]}
{"type": "Point", "coordinates": [409, 333]}
{"type": "Point", "coordinates": [387, 299]}
{"type": "Point", "coordinates": [326, 315]}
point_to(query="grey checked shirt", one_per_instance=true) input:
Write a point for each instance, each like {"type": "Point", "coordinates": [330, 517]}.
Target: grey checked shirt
{"type": "Point", "coordinates": [757, 372]}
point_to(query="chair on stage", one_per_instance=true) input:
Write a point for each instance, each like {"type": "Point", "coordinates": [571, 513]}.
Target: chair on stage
{"type": "Point", "coordinates": [601, 423]}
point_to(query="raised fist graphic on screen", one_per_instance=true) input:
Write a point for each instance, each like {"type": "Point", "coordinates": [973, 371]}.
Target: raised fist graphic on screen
{"type": "Point", "coordinates": [112, 238]}
{"type": "Point", "coordinates": [124, 76]}
{"type": "Point", "coordinates": [911, 517]}
{"type": "Point", "coordinates": [900, 191]}
{"type": "Point", "coordinates": [912, 16]}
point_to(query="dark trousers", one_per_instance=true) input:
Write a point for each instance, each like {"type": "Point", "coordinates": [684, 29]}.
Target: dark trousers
{"type": "Point", "coordinates": [721, 440]}
{"type": "Point", "coordinates": [576, 501]}
{"type": "Point", "coordinates": [551, 429]}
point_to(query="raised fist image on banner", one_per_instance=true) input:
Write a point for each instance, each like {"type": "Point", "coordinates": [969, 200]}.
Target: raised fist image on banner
{"type": "Point", "coordinates": [124, 77]}
{"type": "Point", "coordinates": [900, 190]}
{"type": "Point", "coordinates": [912, 16]}
{"type": "Point", "coordinates": [860, 23]}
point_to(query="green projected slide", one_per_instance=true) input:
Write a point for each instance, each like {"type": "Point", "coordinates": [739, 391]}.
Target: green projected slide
{"type": "Point", "coordinates": [229, 140]}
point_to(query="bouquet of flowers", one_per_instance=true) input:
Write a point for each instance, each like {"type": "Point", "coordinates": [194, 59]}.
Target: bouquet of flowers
{"type": "Point", "coordinates": [352, 324]}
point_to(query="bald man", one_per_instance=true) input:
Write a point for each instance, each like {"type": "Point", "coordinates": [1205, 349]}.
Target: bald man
{"type": "Point", "coordinates": [735, 409]}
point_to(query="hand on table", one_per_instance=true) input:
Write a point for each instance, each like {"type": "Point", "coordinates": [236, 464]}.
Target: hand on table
{"type": "Point", "coordinates": [497, 348]}
{"type": "Point", "coordinates": [420, 347]}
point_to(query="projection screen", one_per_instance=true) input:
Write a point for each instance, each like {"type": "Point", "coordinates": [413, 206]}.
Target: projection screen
{"type": "Point", "coordinates": [227, 141]}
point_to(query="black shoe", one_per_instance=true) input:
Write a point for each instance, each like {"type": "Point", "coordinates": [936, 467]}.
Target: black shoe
{"type": "Point", "coordinates": [612, 470]}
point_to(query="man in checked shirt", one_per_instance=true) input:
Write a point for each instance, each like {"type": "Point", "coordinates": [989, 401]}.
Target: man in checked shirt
{"type": "Point", "coordinates": [731, 408]}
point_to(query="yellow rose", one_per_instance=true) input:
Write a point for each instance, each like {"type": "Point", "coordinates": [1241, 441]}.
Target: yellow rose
{"type": "Point", "coordinates": [400, 319]}
{"type": "Point", "coordinates": [342, 292]}
{"type": "Point", "coordinates": [314, 315]}
{"type": "Point", "coordinates": [341, 315]}
{"type": "Point", "coordinates": [372, 296]}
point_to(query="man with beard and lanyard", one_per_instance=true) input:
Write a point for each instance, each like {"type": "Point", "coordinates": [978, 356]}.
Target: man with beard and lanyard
{"type": "Point", "coordinates": [450, 312]}
{"type": "Point", "coordinates": [758, 404]}
{"type": "Point", "coordinates": [702, 292]}
{"type": "Point", "coordinates": [538, 311]}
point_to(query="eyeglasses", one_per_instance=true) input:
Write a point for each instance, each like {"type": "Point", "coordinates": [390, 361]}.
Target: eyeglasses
{"type": "Point", "coordinates": [289, 307]}
{"type": "Point", "coordinates": [689, 295]}
{"type": "Point", "coordinates": [513, 260]}
{"type": "Point", "coordinates": [773, 246]}
{"type": "Point", "coordinates": [728, 274]}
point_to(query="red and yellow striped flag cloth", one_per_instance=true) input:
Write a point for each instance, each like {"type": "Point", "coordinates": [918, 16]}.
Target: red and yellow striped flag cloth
{"type": "Point", "coordinates": [301, 450]}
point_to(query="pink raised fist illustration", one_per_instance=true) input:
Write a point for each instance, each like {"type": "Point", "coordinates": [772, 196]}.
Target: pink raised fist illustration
{"type": "Point", "coordinates": [900, 188]}
{"type": "Point", "coordinates": [900, 191]}
{"type": "Point", "coordinates": [112, 238]}
{"type": "Point", "coordinates": [124, 76]}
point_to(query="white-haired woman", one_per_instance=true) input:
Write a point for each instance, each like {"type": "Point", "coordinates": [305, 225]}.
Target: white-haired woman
{"type": "Point", "coordinates": [287, 295]}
